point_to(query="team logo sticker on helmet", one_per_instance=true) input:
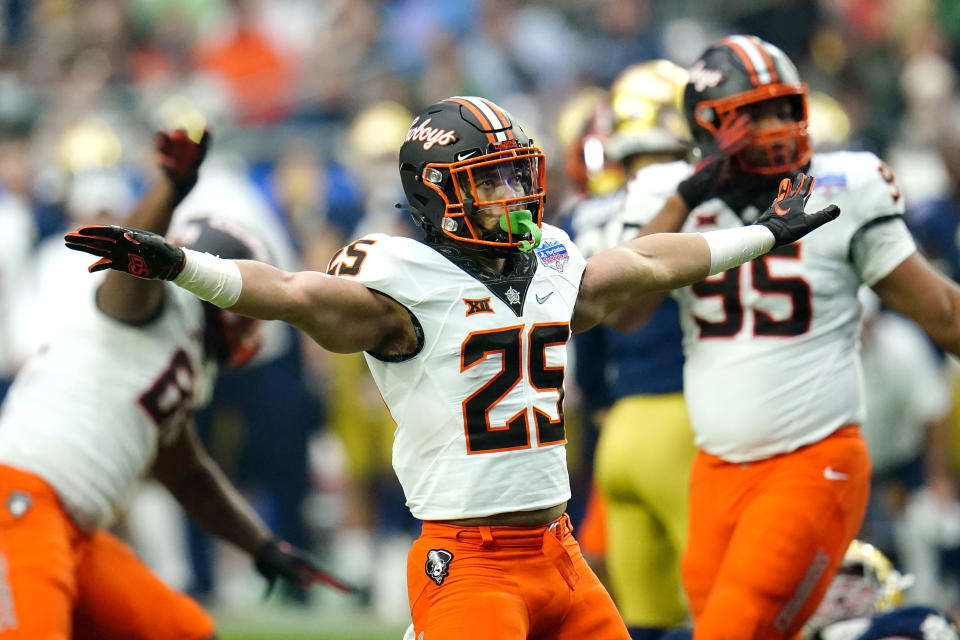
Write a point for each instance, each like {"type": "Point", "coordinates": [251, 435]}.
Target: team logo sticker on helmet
{"type": "Point", "coordinates": [438, 564]}
{"type": "Point", "coordinates": [429, 135]}
{"type": "Point", "coordinates": [553, 254]}
{"type": "Point", "coordinates": [703, 78]}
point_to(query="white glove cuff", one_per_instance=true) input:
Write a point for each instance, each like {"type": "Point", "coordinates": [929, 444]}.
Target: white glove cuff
{"type": "Point", "coordinates": [210, 278]}
{"type": "Point", "coordinates": [730, 247]}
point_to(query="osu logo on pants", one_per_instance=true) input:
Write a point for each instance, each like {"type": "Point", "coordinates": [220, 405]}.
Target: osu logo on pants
{"type": "Point", "coordinates": [438, 564]}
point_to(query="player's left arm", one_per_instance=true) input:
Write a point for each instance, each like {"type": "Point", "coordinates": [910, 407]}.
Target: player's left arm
{"type": "Point", "coordinates": [656, 263]}
{"type": "Point", "coordinates": [134, 300]}
{"type": "Point", "coordinates": [206, 495]}
{"type": "Point", "coordinates": [213, 503]}
{"type": "Point", "coordinates": [918, 291]}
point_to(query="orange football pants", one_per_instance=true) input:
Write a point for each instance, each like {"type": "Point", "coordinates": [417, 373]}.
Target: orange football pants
{"type": "Point", "coordinates": [57, 583]}
{"type": "Point", "coordinates": [766, 537]}
{"type": "Point", "coordinates": [508, 583]}
{"type": "Point", "coordinates": [593, 526]}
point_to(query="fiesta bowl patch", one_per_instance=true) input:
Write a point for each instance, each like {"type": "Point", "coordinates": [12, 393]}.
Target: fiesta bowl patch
{"type": "Point", "coordinates": [553, 254]}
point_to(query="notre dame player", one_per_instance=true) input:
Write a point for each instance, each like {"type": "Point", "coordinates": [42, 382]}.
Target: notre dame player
{"type": "Point", "coordinates": [465, 335]}
{"type": "Point", "coordinates": [645, 445]}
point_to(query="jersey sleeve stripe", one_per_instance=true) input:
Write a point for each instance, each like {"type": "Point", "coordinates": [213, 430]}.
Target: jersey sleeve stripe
{"type": "Point", "coordinates": [869, 224]}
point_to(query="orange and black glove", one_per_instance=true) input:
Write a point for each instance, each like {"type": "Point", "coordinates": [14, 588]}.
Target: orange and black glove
{"type": "Point", "coordinates": [786, 218]}
{"type": "Point", "coordinates": [180, 158]}
{"type": "Point", "coordinates": [278, 559]}
{"type": "Point", "coordinates": [139, 253]}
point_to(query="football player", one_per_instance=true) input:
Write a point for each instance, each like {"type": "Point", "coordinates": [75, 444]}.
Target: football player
{"type": "Point", "coordinates": [107, 401]}
{"type": "Point", "coordinates": [865, 602]}
{"type": "Point", "coordinates": [645, 447]}
{"type": "Point", "coordinates": [771, 378]}
{"type": "Point", "coordinates": [465, 335]}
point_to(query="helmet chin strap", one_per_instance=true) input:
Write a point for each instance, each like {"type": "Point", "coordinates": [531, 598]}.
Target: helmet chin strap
{"type": "Point", "coordinates": [522, 221]}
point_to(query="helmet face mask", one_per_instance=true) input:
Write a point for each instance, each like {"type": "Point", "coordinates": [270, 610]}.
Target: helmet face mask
{"type": "Point", "coordinates": [739, 75]}
{"type": "Point", "coordinates": [464, 166]}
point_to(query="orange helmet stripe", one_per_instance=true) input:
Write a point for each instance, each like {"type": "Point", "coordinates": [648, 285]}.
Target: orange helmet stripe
{"type": "Point", "coordinates": [744, 58]}
{"type": "Point", "coordinates": [491, 117]}
{"type": "Point", "coordinates": [484, 122]}
{"type": "Point", "coordinates": [766, 58]}
{"type": "Point", "coordinates": [504, 121]}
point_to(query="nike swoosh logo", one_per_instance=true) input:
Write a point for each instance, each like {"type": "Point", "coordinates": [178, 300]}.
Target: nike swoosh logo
{"type": "Point", "coordinates": [779, 210]}
{"type": "Point", "coordinates": [466, 154]}
{"type": "Point", "coordinates": [830, 474]}
{"type": "Point", "coordinates": [544, 298]}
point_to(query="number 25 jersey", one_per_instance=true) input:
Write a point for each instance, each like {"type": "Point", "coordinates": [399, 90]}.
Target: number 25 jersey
{"type": "Point", "coordinates": [479, 406]}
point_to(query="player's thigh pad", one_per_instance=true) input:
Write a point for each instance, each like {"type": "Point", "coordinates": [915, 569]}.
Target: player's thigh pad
{"type": "Point", "coordinates": [37, 559]}
{"type": "Point", "coordinates": [795, 515]}
{"type": "Point", "coordinates": [120, 598]}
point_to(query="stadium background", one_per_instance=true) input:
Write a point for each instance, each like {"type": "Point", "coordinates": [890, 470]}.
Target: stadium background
{"type": "Point", "coordinates": [308, 102]}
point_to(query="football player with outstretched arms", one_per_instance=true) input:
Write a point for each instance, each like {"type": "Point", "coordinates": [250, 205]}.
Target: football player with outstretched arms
{"type": "Point", "coordinates": [771, 377]}
{"type": "Point", "coordinates": [106, 402]}
{"type": "Point", "coordinates": [465, 333]}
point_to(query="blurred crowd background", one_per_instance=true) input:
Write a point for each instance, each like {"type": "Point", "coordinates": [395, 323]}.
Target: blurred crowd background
{"type": "Point", "coordinates": [308, 102]}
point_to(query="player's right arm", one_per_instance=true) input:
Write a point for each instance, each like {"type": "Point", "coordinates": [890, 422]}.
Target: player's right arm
{"type": "Point", "coordinates": [341, 315]}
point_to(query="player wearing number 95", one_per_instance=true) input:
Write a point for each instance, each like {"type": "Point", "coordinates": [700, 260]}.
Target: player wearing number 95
{"type": "Point", "coordinates": [465, 335]}
{"type": "Point", "coordinates": [107, 401]}
{"type": "Point", "coordinates": [771, 378]}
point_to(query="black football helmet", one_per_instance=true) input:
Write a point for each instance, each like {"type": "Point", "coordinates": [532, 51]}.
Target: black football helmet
{"type": "Point", "coordinates": [462, 143]}
{"type": "Point", "coordinates": [230, 339]}
{"type": "Point", "coordinates": [744, 70]}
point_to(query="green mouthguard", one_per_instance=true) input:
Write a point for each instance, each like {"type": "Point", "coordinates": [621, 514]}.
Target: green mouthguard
{"type": "Point", "coordinates": [518, 223]}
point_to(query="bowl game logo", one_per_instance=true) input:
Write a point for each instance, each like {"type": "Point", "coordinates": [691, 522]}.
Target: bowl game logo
{"type": "Point", "coordinates": [553, 254]}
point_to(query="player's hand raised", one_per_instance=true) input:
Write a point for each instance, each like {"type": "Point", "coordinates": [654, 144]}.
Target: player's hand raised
{"type": "Point", "coordinates": [139, 253]}
{"type": "Point", "coordinates": [711, 173]}
{"type": "Point", "coordinates": [278, 559]}
{"type": "Point", "coordinates": [180, 158]}
{"type": "Point", "coordinates": [786, 218]}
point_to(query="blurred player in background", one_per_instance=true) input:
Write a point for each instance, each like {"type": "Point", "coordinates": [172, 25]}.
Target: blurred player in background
{"type": "Point", "coordinates": [107, 401]}
{"type": "Point", "coordinates": [465, 334]}
{"type": "Point", "coordinates": [865, 602]}
{"type": "Point", "coordinates": [645, 448]}
{"type": "Point", "coordinates": [772, 381]}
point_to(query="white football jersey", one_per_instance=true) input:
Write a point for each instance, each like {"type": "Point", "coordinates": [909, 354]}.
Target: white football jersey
{"type": "Point", "coordinates": [601, 223]}
{"type": "Point", "coordinates": [771, 346]}
{"type": "Point", "coordinates": [479, 408]}
{"type": "Point", "coordinates": [86, 413]}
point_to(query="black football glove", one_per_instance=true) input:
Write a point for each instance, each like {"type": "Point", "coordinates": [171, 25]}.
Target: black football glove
{"type": "Point", "coordinates": [139, 253]}
{"type": "Point", "coordinates": [710, 173]}
{"type": "Point", "coordinates": [278, 559]}
{"type": "Point", "coordinates": [181, 157]}
{"type": "Point", "coordinates": [786, 218]}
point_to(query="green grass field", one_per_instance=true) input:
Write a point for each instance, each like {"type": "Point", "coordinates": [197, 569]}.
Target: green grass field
{"type": "Point", "coordinates": [284, 623]}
